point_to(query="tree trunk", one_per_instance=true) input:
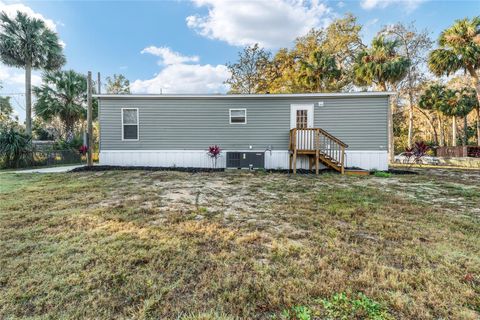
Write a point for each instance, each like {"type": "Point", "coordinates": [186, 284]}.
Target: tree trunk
{"type": "Point", "coordinates": [476, 80]}
{"type": "Point", "coordinates": [28, 98]}
{"type": "Point", "coordinates": [465, 131]}
{"type": "Point", "coordinates": [454, 131]}
{"type": "Point", "coordinates": [430, 122]}
{"type": "Point", "coordinates": [441, 130]}
{"type": "Point", "coordinates": [410, 126]}
{"type": "Point", "coordinates": [391, 144]}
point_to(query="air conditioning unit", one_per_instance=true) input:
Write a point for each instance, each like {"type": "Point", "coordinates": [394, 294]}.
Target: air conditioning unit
{"type": "Point", "coordinates": [246, 160]}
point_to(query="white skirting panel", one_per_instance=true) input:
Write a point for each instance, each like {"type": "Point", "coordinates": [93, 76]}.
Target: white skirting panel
{"type": "Point", "coordinates": [199, 159]}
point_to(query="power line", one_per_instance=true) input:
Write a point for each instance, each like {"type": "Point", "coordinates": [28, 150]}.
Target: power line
{"type": "Point", "coordinates": [12, 93]}
{"type": "Point", "coordinates": [18, 103]}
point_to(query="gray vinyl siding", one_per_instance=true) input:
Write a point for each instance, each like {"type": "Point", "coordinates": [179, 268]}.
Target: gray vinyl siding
{"type": "Point", "coordinates": [194, 124]}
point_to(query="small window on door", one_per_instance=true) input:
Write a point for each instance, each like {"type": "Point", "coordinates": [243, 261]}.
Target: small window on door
{"type": "Point", "coordinates": [302, 119]}
{"type": "Point", "coordinates": [130, 124]}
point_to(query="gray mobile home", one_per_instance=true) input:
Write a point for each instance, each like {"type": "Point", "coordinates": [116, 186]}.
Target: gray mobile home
{"type": "Point", "coordinates": [272, 131]}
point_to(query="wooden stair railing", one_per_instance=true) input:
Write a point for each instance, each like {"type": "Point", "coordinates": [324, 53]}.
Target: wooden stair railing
{"type": "Point", "coordinates": [318, 143]}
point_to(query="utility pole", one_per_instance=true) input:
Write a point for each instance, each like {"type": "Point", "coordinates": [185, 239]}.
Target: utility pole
{"type": "Point", "coordinates": [89, 120]}
{"type": "Point", "coordinates": [99, 83]}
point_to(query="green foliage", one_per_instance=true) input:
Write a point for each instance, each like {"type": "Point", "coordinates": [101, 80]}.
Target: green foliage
{"type": "Point", "coordinates": [320, 61]}
{"type": "Point", "coordinates": [459, 48]}
{"type": "Point", "coordinates": [6, 112]}
{"type": "Point", "coordinates": [382, 174]}
{"type": "Point", "coordinates": [343, 307]}
{"type": "Point", "coordinates": [73, 144]}
{"type": "Point", "coordinates": [63, 94]}
{"type": "Point", "coordinates": [28, 41]}
{"type": "Point", "coordinates": [319, 71]}
{"type": "Point", "coordinates": [15, 148]}
{"type": "Point", "coordinates": [381, 64]}
{"type": "Point", "coordinates": [118, 84]}
{"type": "Point", "coordinates": [248, 74]}
{"type": "Point", "coordinates": [297, 313]}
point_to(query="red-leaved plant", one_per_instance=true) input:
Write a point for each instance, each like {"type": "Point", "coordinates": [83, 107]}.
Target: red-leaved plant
{"type": "Point", "coordinates": [214, 154]}
{"type": "Point", "coordinates": [417, 152]}
{"type": "Point", "coordinates": [83, 150]}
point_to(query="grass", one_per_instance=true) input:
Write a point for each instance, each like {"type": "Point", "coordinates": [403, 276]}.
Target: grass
{"type": "Point", "coordinates": [170, 245]}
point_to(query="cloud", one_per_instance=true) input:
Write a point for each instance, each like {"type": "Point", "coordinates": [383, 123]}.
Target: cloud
{"type": "Point", "coordinates": [169, 57]}
{"type": "Point", "coordinates": [15, 78]}
{"type": "Point", "coordinates": [11, 11]}
{"type": "Point", "coordinates": [182, 74]}
{"type": "Point", "coordinates": [381, 4]}
{"type": "Point", "coordinates": [272, 23]}
{"type": "Point", "coordinates": [185, 78]}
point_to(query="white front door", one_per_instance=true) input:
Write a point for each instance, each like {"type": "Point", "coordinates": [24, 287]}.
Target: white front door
{"type": "Point", "coordinates": [301, 116]}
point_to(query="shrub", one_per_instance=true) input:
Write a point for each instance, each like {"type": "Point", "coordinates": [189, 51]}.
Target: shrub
{"type": "Point", "coordinates": [359, 306]}
{"type": "Point", "coordinates": [214, 153]}
{"type": "Point", "coordinates": [297, 313]}
{"type": "Point", "coordinates": [417, 152]}
{"type": "Point", "coordinates": [15, 148]}
{"type": "Point", "coordinates": [74, 144]}
{"type": "Point", "coordinates": [382, 174]}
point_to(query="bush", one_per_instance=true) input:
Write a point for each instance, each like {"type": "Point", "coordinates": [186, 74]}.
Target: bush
{"type": "Point", "coordinates": [15, 148]}
{"type": "Point", "coordinates": [297, 313]}
{"type": "Point", "coordinates": [382, 174]}
{"type": "Point", "coordinates": [358, 306]}
{"type": "Point", "coordinates": [74, 144]}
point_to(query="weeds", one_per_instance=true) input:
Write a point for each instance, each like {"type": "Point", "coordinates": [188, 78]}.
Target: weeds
{"type": "Point", "coordinates": [172, 245]}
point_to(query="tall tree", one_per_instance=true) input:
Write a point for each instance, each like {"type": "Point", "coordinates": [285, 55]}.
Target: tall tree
{"type": "Point", "coordinates": [449, 106]}
{"type": "Point", "coordinates": [466, 102]}
{"type": "Point", "coordinates": [414, 45]}
{"type": "Point", "coordinates": [382, 66]}
{"type": "Point", "coordinates": [63, 94]}
{"type": "Point", "coordinates": [320, 72]}
{"type": "Point", "coordinates": [340, 40]}
{"type": "Point", "coordinates": [118, 84]}
{"type": "Point", "coordinates": [248, 74]}
{"type": "Point", "coordinates": [27, 43]}
{"type": "Point", "coordinates": [459, 49]}
{"type": "Point", "coordinates": [6, 111]}
{"type": "Point", "coordinates": [431, 100]}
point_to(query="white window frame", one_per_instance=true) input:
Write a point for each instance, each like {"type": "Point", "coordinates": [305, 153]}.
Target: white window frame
{"type": "Point", "coordinates": [237, 109]}
{"type": "Point", "coordinates": [138, 125]}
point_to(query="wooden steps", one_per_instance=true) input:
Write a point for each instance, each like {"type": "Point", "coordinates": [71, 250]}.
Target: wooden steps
{"type": "Point", "coordinates": [319, 146]}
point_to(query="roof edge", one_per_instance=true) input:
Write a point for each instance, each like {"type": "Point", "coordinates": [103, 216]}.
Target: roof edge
{"type": "Point", "coordinates": [247, 96]}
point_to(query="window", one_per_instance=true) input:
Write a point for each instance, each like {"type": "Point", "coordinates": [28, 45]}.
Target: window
{"type": "Point", "coordinates": [238, 116]}
{"type": "Point", "coordinates": [129, 124]}
{"type": "Point", "coordinates": [302, 119]}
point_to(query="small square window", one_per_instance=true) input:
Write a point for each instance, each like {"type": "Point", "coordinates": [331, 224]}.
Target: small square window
{"type": "Point", "coordinates": [129, 124]}
{"type": "Point", "coordinates": [238, 116]}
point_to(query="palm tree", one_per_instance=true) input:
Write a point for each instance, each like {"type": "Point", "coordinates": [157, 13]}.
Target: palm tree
{"type": "Point", "coordinates": [466, 102]}
{"type": "Point", "coordinates": [319, 72]}
{"type": "Point", "coordinates": [27, 43]}
{"type": "Point", "coordinates": [459, 50]}
{"type": "Point", "coordinates": [63, 94]}
{"type": "Point", "coordinates": [382, 66]}
{"type": "Point", "coordinates": [433, 99]}
{"type": "Point", "coordinates": [449, 106]}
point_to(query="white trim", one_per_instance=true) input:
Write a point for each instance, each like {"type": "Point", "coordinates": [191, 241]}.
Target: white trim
{"type": "Point", "coordinates": [130, 124]}
{"type": "Point", "coordinates": [237, 109]}
{"type": "Point", "coordinates": [241, 96]}
{"type": "Point", "coordinates": [276, 159]}
{"type": "Point", "coordinates": [310, 114]}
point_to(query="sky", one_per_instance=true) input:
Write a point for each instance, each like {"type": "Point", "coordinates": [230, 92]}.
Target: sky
{"type": "Point", "coordinates": [182, 46]}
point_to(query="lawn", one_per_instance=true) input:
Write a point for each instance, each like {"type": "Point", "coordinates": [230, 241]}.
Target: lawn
{"type": "Point", "coordinates": [239, 245]}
